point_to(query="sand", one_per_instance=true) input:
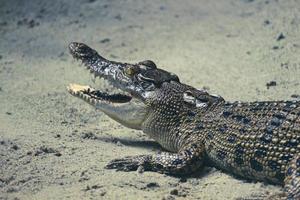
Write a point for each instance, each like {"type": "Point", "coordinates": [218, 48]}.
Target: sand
{"type": "Point", "coordinates": [55, 146]}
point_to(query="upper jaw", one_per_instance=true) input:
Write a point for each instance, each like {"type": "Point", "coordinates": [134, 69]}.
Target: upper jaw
{"type": "Point", "coordinates": [82, 51]}
{"type": "Point", "coordinates": [103, 68]}
{"type": "Point", "coordinates": [92, 60]}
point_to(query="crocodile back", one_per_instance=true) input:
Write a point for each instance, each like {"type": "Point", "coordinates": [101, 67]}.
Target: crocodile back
{"type": "Point", "coordinates": [255, 140]}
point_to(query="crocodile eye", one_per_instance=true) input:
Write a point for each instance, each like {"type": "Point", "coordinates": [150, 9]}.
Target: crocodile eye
{"type": "Point", "coordinates": [129, 70]}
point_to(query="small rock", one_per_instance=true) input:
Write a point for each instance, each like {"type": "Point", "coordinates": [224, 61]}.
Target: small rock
{"type": "Point", "coordinates": [58, 154]}
{"type": "Point", "coordinates": [93, 187]}
{"type": "Point", "coordinates": [96, 187]}
{"type": "Point", "coordinates": [46, 150]}
{"type": "Point", "coordinates": [174, 192]}
{"type": "Point", "coordinates": [106, 40]}
{"type": "Point", "coordinates": [102, 193]}
{"type": "Point", "coordinates": [271, 84]}
{"type": "Point", "coordinates": [267, 22]}
{"type": "Point", "coordinates": [295, 96]}
{"type": "Point", "coordinates": [152, 185]}
{"type": "Point", "coordinates": [89, 135]}
{"type": "Point", "coordinates": [15, 147]}
{"type": "Point", "coordinates": [82, 179]}
{"type": "Point", "coordinates": [280, 37]}
{"type": "Point", "coordinates": [87, 188]}
{"type": "Point", "coordinates": [32, 23]}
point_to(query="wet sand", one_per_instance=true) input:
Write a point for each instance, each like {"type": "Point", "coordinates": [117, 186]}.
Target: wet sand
{"type": "Point", "coordinates": [54, 146]}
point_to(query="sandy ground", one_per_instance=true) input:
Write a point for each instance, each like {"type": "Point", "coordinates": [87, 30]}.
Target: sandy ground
{"type": "Point", "coordinates": [54, 146]}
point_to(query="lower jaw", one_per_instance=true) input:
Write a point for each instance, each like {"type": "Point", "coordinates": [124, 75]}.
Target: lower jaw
{"type": "Point", "coordinates": [129, 113]}
{"type": "Point", "coordinates": [92, 95]}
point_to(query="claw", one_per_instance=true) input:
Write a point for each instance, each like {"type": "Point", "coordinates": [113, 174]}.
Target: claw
{"type": "Point", "coordinates": [125, 164]}
{"type": "Point", "coordinates": [130, 163]}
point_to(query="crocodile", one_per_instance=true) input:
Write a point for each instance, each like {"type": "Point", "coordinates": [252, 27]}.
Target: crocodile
{"type": "Point", "coordinates": [255, 140]}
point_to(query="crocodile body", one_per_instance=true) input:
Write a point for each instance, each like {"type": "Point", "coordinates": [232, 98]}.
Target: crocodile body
{"type": "Point", "coordinates": [254, 140]}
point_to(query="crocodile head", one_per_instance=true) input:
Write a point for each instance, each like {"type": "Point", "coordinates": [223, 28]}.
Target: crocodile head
{"type": "Point", "coordinates": [154, 100]}
{"type": "Point", "coordinates": [138, 81]}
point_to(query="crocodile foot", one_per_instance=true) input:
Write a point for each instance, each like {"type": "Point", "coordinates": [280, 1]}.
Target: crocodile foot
{"type": "Point", "coordinates": [129, 163]}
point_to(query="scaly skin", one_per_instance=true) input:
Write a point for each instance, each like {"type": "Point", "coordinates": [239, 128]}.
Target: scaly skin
{"type": "Point", "coordinates": [256, 140]}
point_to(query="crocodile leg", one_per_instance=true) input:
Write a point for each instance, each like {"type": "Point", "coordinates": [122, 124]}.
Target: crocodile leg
{"type": "Point", "coordinates": [292, 180]}
{"type": "Point", "coordinates": [186, 161]}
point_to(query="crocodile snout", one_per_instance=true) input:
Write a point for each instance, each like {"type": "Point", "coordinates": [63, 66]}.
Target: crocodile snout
{"type": "Point", "coordinates": [81, 51]}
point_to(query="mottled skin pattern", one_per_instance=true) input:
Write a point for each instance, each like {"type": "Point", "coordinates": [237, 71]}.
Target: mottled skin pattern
{"type": "Point", "coordinates": [256, 140]}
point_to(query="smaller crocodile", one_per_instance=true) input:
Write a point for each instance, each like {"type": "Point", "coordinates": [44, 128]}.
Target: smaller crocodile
{"type": "Point", "coordinates": [254, 140]}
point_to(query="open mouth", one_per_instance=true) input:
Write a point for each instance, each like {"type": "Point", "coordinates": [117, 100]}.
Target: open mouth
{"type": "Point", "coordinates": [93, 96]}
{"type": "Point", "coordinates": [100, 68]}
{"type": "Point", "coordinates": [123, 105]}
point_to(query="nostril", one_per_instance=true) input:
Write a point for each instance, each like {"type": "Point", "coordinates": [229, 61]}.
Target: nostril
{"type": "Point", "coordinates": [73, 46]}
